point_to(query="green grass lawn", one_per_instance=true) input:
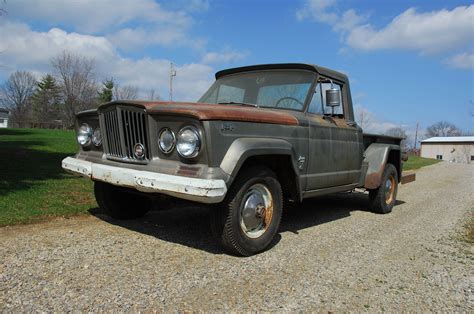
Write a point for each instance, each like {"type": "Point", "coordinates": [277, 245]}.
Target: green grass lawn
{"type": "Point", "coordinates": [415, 162]}
{"type": "Point", "coordinates": [33, 185]}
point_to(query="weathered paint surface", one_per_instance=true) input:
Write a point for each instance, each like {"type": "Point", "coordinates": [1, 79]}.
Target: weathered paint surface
{"type": "Point", "coordinates": [325, 153]}
{"type": "Point", "coordinates": [376, 156]}
{"type": "Point", "coordinates": [81, 167]}
{"type": "Point", "coordinates": [216, 112]}
{"type": "Point", "coordinates": [194, 189]}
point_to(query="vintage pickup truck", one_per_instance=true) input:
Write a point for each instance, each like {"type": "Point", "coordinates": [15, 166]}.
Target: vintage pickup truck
{"type": "Point", "coordinates": [261, 138]}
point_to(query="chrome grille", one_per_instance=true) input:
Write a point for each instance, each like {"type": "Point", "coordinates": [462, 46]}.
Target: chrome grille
{"type": "Point", "coordinates": [123, 128]}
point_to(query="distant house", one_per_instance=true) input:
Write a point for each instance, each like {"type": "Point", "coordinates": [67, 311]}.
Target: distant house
{"type": "Point", "coordinates": [4, 114]}
{"type": "Point", "coordinates": [453, 149]}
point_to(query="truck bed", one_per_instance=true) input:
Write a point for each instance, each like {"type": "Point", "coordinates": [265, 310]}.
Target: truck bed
{"type": "Point", "coordinates": [378, 138]}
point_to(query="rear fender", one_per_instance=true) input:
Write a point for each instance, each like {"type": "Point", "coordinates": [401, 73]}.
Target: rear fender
{"type": "Point", "coordinates": [376, 156]}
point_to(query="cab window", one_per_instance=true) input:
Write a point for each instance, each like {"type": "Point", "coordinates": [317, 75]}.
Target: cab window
{"type": "Point", "coordinates": [316, 104]}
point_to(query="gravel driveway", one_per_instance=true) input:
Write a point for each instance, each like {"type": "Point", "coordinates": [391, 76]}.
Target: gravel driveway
{"type": "Point", "coordinates": [331, 254]}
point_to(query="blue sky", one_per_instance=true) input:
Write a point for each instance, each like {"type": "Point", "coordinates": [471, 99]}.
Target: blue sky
{"type": "Point", "coordinates": [408, 61]}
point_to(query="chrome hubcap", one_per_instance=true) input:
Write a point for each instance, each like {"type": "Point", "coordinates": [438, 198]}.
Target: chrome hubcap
{"type": "Point", "coordinates": [256, 211]}
{"type": "Point", "coordinates": [389, 189]}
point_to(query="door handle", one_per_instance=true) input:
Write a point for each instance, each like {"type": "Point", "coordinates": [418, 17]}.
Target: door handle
{"type": "Point", "coordinates": [352, 123]}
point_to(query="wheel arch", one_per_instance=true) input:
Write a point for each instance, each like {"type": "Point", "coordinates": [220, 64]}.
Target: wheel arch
{"type": "Point", "coordinates": [276, 154]}
{"type": "Point", "coordinates": [377, 156]}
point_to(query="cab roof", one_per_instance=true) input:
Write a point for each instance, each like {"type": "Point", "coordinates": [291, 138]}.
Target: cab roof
{"type": "Point", "coordinates": [286, 66]}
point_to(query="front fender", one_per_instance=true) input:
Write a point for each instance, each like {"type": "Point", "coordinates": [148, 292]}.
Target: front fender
{"type": "Point", "coordinates": [243, 148]}
{"type": "Point", "coordinates": [376, 156]}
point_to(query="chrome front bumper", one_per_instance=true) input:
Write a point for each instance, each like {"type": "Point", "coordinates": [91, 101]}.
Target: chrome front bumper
{"type": "Point", "coordinates": [193, 189]}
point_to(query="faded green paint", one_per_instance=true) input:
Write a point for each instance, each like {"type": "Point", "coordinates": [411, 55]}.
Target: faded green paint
{"type": "Point", "coordinates": [326, 153]}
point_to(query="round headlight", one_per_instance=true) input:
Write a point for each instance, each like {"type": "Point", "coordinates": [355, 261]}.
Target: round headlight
{"type": "Point", "coordinates": [166, 140]}
{"type": "Point", "coordinates": [97, 137]}
{"type": "Point", "coordinates": [189, 142]}
{"type": "Point", "coordinates": [84, 134]}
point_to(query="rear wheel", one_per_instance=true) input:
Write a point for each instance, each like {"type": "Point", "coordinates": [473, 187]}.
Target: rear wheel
{"type": "Point", "coordinates": [383, 199]}
{"type": "Point", "coordinates": [249, 217]}
{"type": "Point", "coordinates": [120, 203]}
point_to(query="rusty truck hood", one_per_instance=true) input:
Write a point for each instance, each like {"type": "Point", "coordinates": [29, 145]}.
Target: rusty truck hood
{"type": "Point", "coordinates": [204, 112]}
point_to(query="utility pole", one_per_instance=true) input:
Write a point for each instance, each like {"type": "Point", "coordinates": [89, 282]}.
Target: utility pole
{"type": "Point", "coordinates": [172, 74]}
{"type": "Point", "coordinates": [416, 135]}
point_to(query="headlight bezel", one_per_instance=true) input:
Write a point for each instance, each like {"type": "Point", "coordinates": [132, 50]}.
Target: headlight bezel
{"type": "Point", "coordinates": [198, 144]}
{"type": "Point", "coordinates": [160, 134]}
{"type": "Point", "coordinates": [84, 130]}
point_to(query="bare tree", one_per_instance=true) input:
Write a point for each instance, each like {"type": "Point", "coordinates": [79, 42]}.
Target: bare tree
{"type": "Point", "coordinates": [398, 132]}
{"type": "Point", "coordinates": [442, 128]}
{"type": "Point", "coordinates": [76, 82]}
{"type": "Point", "coordinates": [16, 95]}
{"type": "Point", "coordinates": [153, 96]}
{"type": "Point", "coordinates": [125, 92]}
{"type": "Point", "coordinates": [363, 118]}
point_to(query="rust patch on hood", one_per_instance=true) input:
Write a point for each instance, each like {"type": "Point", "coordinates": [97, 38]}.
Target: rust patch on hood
{"type": "Point", "coordinates": [203, 111]}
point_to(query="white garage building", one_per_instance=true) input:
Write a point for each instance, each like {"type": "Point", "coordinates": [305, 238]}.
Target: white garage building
{"type": "Point", "coordinates": [3, 118]}
{"type": "Point", "coordinates": [453, 149]}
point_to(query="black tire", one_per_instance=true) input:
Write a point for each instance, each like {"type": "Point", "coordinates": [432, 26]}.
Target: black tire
{"type": "Point", "coordinates": [120, 203]}
{"type": "Point", "coordinates": [226, 218]}
{"type": "Point", "coordinates": [383, 199]}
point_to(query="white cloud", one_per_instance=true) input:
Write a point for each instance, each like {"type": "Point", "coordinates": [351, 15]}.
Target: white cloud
{"type": "Point", "coordinates": [93, 16]}
{"type": "Point", "coordinates": [325, 11]}
{"type": "Point", "coordinates": [462, 61]}
{"type": "Point", "coordinates": [129, 25]}
{"type": "Point", "coordinates": [191, 79]}
{"type": "Point", "coordinates": [133, 39]}
{"type": "Point", "coordinates": [23, 48]}
{"type": "Point", "coordinates": [425, 32]}
{"type": "Point", "coordinates": [195, 5]}
{"type": "Point", "coordinates": [370, 122]}
{"type": "Point", "coordinates": [349, 19]}
{"type": "Point", "coordinates": [226, 56]}
{"type": "Point", "coordinates": [318, 10]}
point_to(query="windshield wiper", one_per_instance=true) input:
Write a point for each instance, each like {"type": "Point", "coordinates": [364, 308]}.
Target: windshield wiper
{"type": "Point", "coordinates": [238, 103]}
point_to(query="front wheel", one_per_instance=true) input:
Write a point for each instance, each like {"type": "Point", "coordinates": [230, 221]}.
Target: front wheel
{"type": "Point", "coordinates": [120, 203]}
{"type": "Point", "coordinates": [248, 218]}
{"type": "Point", "coordinates": [382, 199]}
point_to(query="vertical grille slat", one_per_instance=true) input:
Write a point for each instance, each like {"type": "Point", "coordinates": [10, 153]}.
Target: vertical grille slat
{"type": "Point", "coordinates": [129, 134]}
{"type": "Point", "coordinates": [122, 131]}
{"type": "Point", "coordinates": [117, 137]}
{"type": "Point", "coordinates": [114, 135]}
{"type": "Point", "coordinates": [145, 137]}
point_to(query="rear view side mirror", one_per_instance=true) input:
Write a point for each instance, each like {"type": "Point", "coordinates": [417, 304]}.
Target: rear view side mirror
{"type": "Point", "coordinates": [333, 98]}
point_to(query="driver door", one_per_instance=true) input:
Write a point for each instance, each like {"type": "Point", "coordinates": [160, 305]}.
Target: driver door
{"type": "Point", "coordinates": [334, 148]}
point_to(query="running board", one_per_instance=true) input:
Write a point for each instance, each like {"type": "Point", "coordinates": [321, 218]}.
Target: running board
{"type": "Point", "coordinates": [334, 189]}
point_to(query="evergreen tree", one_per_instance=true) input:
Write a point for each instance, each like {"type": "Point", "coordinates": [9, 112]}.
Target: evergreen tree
{"type": "Point", "coordinates": [45, 100]}
{"type": "Point", "coordinates": [107, 91]}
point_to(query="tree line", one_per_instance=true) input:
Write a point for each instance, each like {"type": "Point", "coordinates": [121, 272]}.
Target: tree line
{"type": "Point", "coordinates": [437, 129]}
{"type": "Point", "coordinates": [54, 100]}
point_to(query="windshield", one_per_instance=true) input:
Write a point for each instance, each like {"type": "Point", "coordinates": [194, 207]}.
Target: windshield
{"type": "Point", "coordinates": [274, 89]}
